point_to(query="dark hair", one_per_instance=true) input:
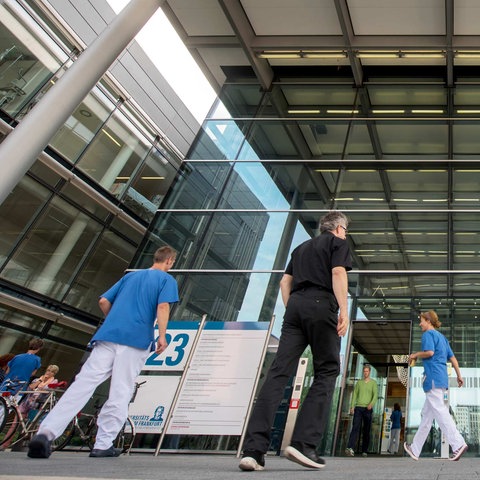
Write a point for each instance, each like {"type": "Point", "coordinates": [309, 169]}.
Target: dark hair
{"type": "Point", "coordinates": [396, 406]}
{"type": "Point", "coordinates": [35, 344]}
{"type": "Point", "coordinates": [164, 253]}
{"type": "Point", "coordinates": [331, 220]}
{"type": "Point", "coordinates": [4, 359]}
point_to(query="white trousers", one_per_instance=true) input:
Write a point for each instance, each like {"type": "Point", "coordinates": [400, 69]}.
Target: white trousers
{"type": "Point", "coordinates": [394, 440]}
{"type": "Point", "coordinates": [107, 359]}
{"type": "Point", "coordinates": [435, 408]}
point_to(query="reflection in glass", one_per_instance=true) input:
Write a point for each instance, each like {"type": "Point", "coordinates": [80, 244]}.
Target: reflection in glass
{"type": "Point", "coordinates": [81, 127]}
{"type": "Point", "coordinates": [56, 245]}
{"type": "Point", "coordinates": [17, 211]}
{"type": "Point", "coordinates": [25, 63]}
{"type": "Point", "coordinates": [150, 184]}
{"type": "Point", "coordinates": [104, 267]}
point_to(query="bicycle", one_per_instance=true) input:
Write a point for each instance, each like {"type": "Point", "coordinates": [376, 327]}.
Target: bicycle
{"type": "Point", "coordinates": [17, 427]}
{"type": "Point", "coordinates": [88, 433]}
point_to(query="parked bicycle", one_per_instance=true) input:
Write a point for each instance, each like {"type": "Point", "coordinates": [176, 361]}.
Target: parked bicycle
{"type": "Point", "coordinates": [84, 427]}
{"type": "Point", "coordinates": [17, 427]}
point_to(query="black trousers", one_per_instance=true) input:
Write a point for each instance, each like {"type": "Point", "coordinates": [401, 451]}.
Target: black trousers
{"type": "Point", "coordinates": [310, 319]}
{"type": "Point", "coordinates": [361, 415]}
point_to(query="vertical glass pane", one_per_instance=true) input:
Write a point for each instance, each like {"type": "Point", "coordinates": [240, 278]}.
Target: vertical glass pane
{"type": "Point", "coordinates": [115, 154]}
{"type": "Point", "coordinates": [26, 63]}
{"type": "Point", "coordinates": [104, 267]}
{"type": "Point", "coordinates": [18, 210]}
{"type": "Point", "coordinates": [149, 185]}
{"type": "Point", "coordinates": [54, 249]}
{"type": "Point", "coordinates": [84, 123]}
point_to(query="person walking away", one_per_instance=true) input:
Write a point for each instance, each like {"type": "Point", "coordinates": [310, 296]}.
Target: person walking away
{"type": "Point", "coordinates": [23, 366]}
{"type": "Point", "coordinates": [396, 419]}
{"type": "Point", "coordinates": [4, 359]}
{"type": "Point", "coordinates": [120, 348]}
{"type": "Point", "coordinates": [365, 395]}
{"type": "Point", "coordinates": [314, 291]}
{"type": "Point", "coordinates": [436, 351]}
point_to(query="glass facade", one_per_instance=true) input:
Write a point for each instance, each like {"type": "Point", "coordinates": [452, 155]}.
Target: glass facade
{"type": "Point", "coordinates": [72, 225]}
{"type": "Point", "coordinates": [259, 177]}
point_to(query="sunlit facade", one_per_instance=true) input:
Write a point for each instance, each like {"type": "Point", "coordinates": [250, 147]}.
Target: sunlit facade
{"type": "Point", "coordinates": [321, 108]}
{"type": "Point", "coordinates": [72, 225]}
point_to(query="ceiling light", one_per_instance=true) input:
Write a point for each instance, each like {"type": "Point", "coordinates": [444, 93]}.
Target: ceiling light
{"type": "Point", "coordinates": [386, 54]}
{"type": "Point", "coordinates": [346, 112]}
{"type": "Point", "coordinates": [387, 111]}
{"type": "Point", "coordinates": [302, 54]}
{"type": "Point", "coordinates": [423, 55]}
{"type": "Point", "coordinates": [273, 55]}
{"type": "Point", "coordinates": [468, 112]}
{"type": "Point", "coordinates": [152, 178]}
{"type": "Point", "coordinates": [467, 54]}
{"type": "Point", "coordinates": [427, 111]}
{"type": "Point", "coordinates": [325, 54]}
{"type": "Point", "coordinates": [303, 111]}
{"type": "Point", "coordinates": [111, 137]}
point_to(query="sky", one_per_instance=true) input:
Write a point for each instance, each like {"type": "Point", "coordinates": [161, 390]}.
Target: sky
{"type": "Point", "coordinates": [167, 51]}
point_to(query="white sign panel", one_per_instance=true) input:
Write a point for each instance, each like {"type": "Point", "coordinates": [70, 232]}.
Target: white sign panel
{"type": "Point", "coordinates": [180, 337]}
{"type": "Point", "coordinates": [152, 403]}
{"type": "Point", "coordinates": [218, 385]}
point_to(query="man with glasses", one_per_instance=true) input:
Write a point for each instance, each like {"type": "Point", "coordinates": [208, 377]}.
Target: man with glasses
{"type": "Point", "coordinates": [314, 291]}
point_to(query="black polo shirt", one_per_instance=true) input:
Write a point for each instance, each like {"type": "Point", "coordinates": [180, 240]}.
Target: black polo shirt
{"type": "Point", "coordinates": [312, 262]}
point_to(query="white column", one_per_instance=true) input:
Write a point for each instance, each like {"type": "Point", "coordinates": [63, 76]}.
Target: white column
{"type": "Point", "coordinates": [20, 149]}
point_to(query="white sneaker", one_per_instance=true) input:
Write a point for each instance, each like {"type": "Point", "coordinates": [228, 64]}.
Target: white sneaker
{"type": "Point", "coordinates": [349, 452]}
{"type": "Point", "coordinates": [458, 453]}
{"type": "Point", "coordinates": [249, 464]}
{"type": "Point", "coordinates": [408, 449]}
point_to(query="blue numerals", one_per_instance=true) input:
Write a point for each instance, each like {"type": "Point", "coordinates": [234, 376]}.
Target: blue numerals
{"type": "Point", "coordinates": [174, 358]}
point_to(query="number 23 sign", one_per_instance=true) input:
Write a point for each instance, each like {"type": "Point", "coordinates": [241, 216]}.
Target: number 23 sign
{"type": "Point", "coordinates": [180, 337]}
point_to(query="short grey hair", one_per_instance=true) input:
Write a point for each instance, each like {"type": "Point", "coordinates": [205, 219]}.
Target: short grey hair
{"type": "Point", "coordinates": [332, 220]}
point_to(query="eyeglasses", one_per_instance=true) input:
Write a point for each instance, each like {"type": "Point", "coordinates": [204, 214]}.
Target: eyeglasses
{"type": "Point", "coordinates": [345, 228]}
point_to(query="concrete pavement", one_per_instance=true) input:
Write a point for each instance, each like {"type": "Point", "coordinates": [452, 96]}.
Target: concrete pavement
{"type": "Point", "coordinates": [78, 466]}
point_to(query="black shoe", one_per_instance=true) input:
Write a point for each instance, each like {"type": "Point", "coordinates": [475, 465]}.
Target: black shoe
{"type": "Point", "coordinates": [252, 460]}
{"type": "Point", "coordinates": [39, 447]}
{"type": "Point", "coordinates": [109, 452]}
{"type": "Point", "coordinates": [304, 455]}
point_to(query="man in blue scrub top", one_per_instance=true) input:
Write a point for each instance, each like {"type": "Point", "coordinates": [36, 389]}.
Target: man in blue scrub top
{"type": "Point", "coordinates": [121, 347]}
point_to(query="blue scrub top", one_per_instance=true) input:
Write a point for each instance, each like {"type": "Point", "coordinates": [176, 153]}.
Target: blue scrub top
{"type": "Point", "coordinates": [134, 300]}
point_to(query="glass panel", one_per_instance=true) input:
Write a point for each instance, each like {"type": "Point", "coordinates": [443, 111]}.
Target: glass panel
{"type": "Point", "coordinates": [103, 268]}
{"type": "Point", "coordinates": [45, 174]}
{"type": "Point", "coordinates": [84, 123]}
{"type": "Point", "coordinates": [465, 137]}
{"type": "Point", "coordinates": [306, 96]}
{"type": "Point", "coordinates": [132, 234]}
{"type": "Point", "coordinates": [17, 211]}
{"type": "Point", "coordinates": [12, 319]}
{"type": "Point", "coordinates": [407, 95]}
{"type": "Point", "coordinates": [26, 63]}
{"type": "Point", "coordinates": [413, 138]}
{"type": "Point", "coordinates": [82, 199]}
{"type": "Point", "coordinates": [240, 100]}
{"type": "Point", "coordinates": [114, 154]}
{"type": "Point", "coordinates": [54, 249]}
{"type": "Point", "coordinates": [151, 183]}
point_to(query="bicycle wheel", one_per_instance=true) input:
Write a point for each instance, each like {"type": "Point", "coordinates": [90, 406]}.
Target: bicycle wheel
{"type": "Point", "coordinates": [64, 439]}
{"type": "Point", "coordinates": [3, 412]}
{"type": "Point", "coordinates": [10, 426]}
{"type": "Point", "coordinates": [126, 436]}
